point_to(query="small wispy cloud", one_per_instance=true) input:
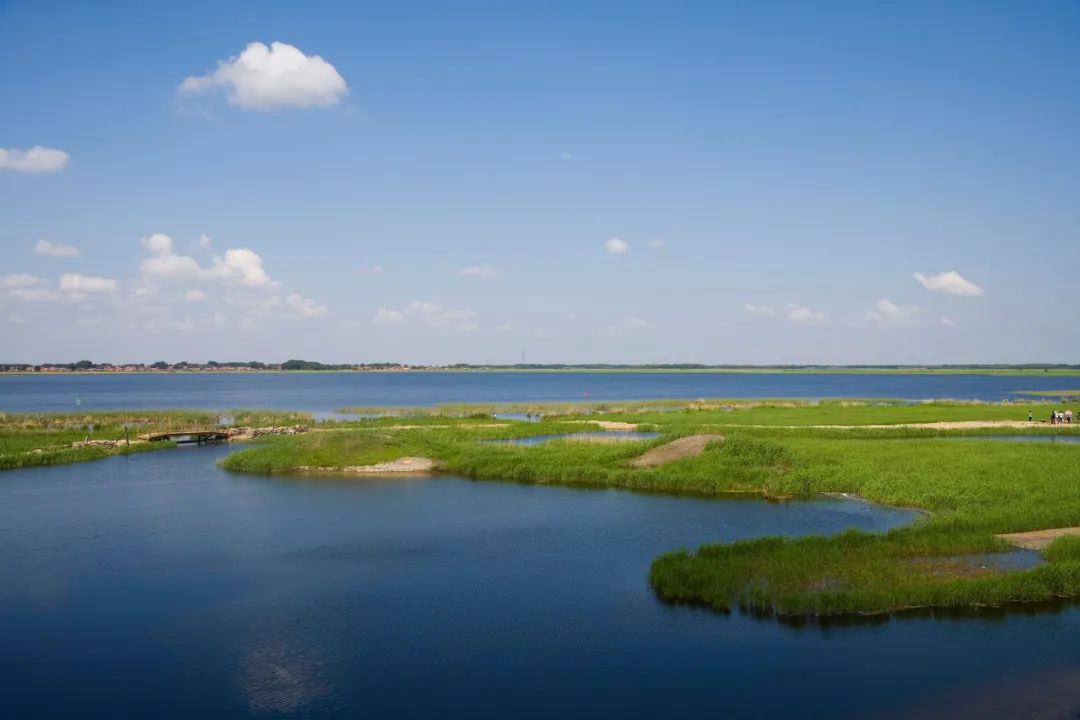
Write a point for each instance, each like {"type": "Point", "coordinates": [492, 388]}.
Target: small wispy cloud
{"type": "Point", "coordinates": [615, 245]}
{"type": "Point", "coordinates": [300, 307]}
{"type": "Point", "coordinates": [85, 284]}
{"type": "Point", "coordinates": [657, 243]}
{"type": "Point", "coordinates": [760, 310]}
{"type": "Point", "coordinates": [950, 283]}
{"type": "Point", "coordinates": [486, 272]}
{"type": "Point", "coordinates": [886, 312]}
{"type": "Point", "coordinates": [20, 280]}
{"type": "Point", "coordinates": [44, 247]}
{"type": "Point", "coordinates": [385, 316]}
{"type": "Point", "coordinates": [803, 315]}
{"type": "Point", "coordinates": [34, 160]}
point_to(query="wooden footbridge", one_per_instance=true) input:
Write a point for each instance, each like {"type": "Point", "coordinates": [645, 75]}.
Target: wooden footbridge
{"type": "Point", "coordinates": [183, 437]}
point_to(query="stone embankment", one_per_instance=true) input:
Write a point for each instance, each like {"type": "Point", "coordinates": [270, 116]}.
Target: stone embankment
{"type": "Point", "coordinates": [401, 466]}
{"type": "Point", "coordinates": [240, 434]}
{"type": "Point", "coordinates": [106, 444]}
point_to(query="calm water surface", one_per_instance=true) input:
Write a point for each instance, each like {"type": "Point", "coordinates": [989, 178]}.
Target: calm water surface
{"type": "Point", "coordinates": [157, 585]}
{"type": "Point", "coordinates": [326, 392]}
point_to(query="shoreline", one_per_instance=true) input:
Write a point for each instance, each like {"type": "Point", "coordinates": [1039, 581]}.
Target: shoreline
{"type": "Point", "coordinates": [644, 370]}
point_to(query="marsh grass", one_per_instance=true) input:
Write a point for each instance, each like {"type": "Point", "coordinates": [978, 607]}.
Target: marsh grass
{"type": "Point", "coordinates": [29, 439]}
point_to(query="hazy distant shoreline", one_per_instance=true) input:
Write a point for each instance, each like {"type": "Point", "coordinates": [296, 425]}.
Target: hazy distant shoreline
{"type": "Point", "coordinates": [1017, 370]}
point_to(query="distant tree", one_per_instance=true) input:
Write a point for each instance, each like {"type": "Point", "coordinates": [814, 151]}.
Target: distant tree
{"type": "Point", "coordinates": [83, 365]}
{"type": "Point", "coordinates": [160, 365]}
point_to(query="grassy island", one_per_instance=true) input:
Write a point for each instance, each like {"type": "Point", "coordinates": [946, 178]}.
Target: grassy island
{"type": "Point", "coordinates": [933, 457]}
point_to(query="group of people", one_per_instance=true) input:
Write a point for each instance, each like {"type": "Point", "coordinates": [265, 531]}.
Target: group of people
{"type": "Point", "coordinates": [1057, 417]}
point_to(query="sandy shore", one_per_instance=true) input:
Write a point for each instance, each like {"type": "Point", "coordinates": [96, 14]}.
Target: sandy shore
{"type": "Point", "coordinates": [405, 465]}
{"type": "Point", "coordinates": [675, 450]}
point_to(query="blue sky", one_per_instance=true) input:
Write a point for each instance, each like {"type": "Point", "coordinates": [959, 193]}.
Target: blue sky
{"type": "Point", "coordinates": [439, 182]}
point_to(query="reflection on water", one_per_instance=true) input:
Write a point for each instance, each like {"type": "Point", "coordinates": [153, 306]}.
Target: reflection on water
{"type": "Point", "coordinates": [1064, 439]}
{"type": "Point", "coordinates": [1051, 694]}
{"type": "Point", "coordinates": [278, 680]}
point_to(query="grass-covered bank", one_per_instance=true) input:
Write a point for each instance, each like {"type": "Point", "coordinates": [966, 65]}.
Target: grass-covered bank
{"type": "Point", "coordinates": [32, 439]}
{"type": "Point", "coordinates": [893, 454]}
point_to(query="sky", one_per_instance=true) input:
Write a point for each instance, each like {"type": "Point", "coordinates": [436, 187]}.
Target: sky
{"type": "Point", "coordinates": [626, 182]}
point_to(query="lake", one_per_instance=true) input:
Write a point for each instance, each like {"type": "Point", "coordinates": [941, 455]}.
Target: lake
{"type": "Point", "coordinates": [157, 585]}
{"type": "Point", "coordinates": [326, 392]}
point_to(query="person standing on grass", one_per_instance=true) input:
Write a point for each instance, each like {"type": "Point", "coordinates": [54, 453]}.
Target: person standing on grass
{"type": "Point", "coordinates": [1068, 416]}
{"type": "Point", "coordinates": [1030, 416]}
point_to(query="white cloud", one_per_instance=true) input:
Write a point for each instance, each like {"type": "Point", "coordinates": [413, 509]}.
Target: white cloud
{"type": "Point", "coordinates": [615, 245]}
{"type": "Point", "coordinates": [947, 322]}
{"type": "Point", "coordinates": [35, 160]}
{"type": "Point", "coordinates": [204, 240]}
{"type": "Point", "coordinates": [950, 283]}
{"type": "Point", "coordinates": [657, 243]}
{"type": "Point", "coordinates": [481, 271]}
{"type": "Point", "coordinates": [383, 316]}
{"type": "Point", "coordinates": [44, 247]}
{"type": "Point", "coordinates": [302, 307]}
{"type": "Point", "coordinates": [239, 266]}
{"type": "Point", "coordinates": [372, 269]}
{"type": "Point", "coordinates": [762, 310]}
{"type": "Point", "coordinates": [217, 319]}
{"type": "Point", "coordinates": [195, 296]}
{"type": "Point", "coordinates": [267, 78]}
{"type": "Point", "coordinates": [804, 316]}
{"type": "Point", "coordinates": [886, 312]}
{"type": "Point", "coordinates": [84, 284]}
{"type": "Point", "coordinates": [36, 295]}
{"type": "Point", "coordinates": [438, 317]}
{"type": "Point", "coordinates": [506, 327]}
{"type": "Point", "coordinates": [20, 280]}
{"type": "Point", "coordinates": [635, 323]}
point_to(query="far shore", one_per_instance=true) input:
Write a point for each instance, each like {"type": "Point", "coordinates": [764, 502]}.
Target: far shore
{"type": "Point", "coordinates": [746, 370]}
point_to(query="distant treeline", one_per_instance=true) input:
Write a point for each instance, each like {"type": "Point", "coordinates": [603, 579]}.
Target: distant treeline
{"type": "Point", "coordinates": [311, 365]}
{"type": "Point", "coordinates": [701, 366]}
{"type": "Point", "coordinates": [183, 365]}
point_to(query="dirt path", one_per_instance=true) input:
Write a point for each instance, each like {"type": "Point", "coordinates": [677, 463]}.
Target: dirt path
{"type": "Point", "coordinates": [675, 450]}
{"type": "Point", "coordinates": [1038, 539]}
{"type": "Point", "coordinates": [405, 465]}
